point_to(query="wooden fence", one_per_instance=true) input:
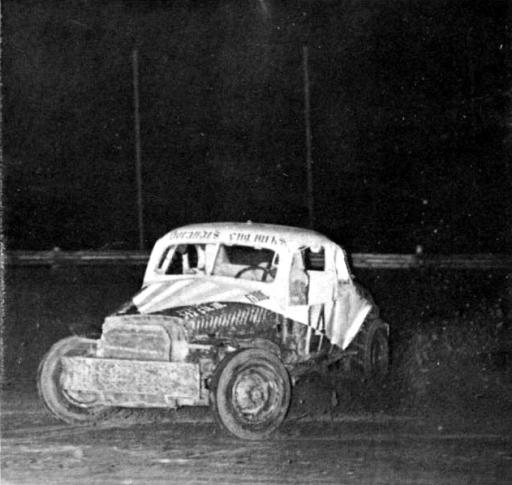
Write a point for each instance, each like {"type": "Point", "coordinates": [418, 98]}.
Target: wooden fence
{"type": "Point", "coordinates": [359, 260]}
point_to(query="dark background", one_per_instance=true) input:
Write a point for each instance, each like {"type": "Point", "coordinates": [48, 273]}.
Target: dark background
{"type": "Point", "coordinates": [410, 111]}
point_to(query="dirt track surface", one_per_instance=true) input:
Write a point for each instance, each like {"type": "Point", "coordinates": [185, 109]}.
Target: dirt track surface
{"type": "Point", "coordinates": [443, 373]}
{"type": "Point", "coordinates": [187, 448]}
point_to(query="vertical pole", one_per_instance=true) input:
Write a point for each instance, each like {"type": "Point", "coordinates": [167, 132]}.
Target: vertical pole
{"type": "Point", "coordinates": [138, 165]}
{"type": "Point", "coordinates": [309, 161]}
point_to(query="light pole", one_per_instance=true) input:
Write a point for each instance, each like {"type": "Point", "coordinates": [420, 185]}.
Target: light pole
{"type": "Point", "coordinates": [309, 160]}
{"type": "Point", "coordinates": [138, 164]}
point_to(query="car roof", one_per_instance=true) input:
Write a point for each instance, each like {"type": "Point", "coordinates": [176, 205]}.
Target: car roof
{"type": "Point", "coordinates": [257, 232]}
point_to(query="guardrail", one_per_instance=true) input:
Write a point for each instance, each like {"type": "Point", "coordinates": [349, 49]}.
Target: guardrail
{"type": "Point", "coordinates": [359, 260]}
{"type": "Point", "coordinates": [454, 261]}
{"type": "Point", "coordinates": [82, 258]}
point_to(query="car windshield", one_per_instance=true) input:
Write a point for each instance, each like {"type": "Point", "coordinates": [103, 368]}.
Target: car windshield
{"type": "Point", "coordinates": [246, 262]}
{"type": "Point", "coordinates": [235, 261]}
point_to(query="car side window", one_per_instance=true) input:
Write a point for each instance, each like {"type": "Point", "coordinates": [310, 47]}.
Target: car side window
{"type": "Point", "coordinates": [314, 259]}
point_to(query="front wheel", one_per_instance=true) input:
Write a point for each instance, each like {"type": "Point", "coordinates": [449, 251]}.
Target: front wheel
{"type": "Point", "coordinates": [251, 393]}
{"type": "Point", "coordinates": [71, 407]}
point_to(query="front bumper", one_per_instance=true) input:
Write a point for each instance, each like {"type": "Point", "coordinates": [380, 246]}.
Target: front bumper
{"type": "Point", "coordinates": [132, 383]}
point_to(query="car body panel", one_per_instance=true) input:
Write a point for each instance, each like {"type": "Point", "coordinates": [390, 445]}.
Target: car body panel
{"type": "Point", "coordinates": [333, 305]}
{"type": "Point", "coordinates": [212, 289]}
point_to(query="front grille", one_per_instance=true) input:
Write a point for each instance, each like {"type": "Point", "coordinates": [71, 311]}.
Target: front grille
{"type": "Point", "coordinates": [132, 338]}
{"type": "Point", "coordinates": [136, 343]}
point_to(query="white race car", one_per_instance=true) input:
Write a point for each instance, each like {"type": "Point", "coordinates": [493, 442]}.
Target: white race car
{"type": "Point", "coordinates": [229, 315]}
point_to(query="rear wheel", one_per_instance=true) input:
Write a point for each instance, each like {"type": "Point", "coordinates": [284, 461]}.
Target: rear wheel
{"type": "Point", "coordinates": [251, 393]}
{"type": "Point", "coordinates": [370, 351]}
{"type": "Point", "coordinates": [71, 407]}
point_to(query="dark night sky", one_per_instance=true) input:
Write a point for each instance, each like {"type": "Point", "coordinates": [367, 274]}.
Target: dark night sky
{"type": "Point", "coordinates": [410, 111]}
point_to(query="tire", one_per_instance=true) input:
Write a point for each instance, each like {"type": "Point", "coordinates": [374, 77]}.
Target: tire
{"type": "Point", "coordinates": [251, 393]}
{"type": "Point", "coordinates": [370, 347]}
{"type": "Point", "coordinates": [76, 408]}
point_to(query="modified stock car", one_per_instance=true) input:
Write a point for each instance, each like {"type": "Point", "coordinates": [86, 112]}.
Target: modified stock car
{"type": "Point", "coordinates": [229, 316]}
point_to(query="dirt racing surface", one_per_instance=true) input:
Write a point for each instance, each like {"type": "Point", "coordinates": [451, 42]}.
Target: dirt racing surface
{"type": "Point", "coordinates": [187, 448]}
{"type": "Point", "coordinates": [443, 415]}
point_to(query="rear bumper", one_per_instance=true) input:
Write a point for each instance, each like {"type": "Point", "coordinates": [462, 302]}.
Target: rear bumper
{"type": "Point", "coordinates": [133, 383]}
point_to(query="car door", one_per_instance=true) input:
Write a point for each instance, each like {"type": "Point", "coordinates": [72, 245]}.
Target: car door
{"type": "Point", "coordinates": [312, 291]}
{"type": "Point", "coordinates": [350, 307]}
{"type": "Point", "coordinates": [312, 277]}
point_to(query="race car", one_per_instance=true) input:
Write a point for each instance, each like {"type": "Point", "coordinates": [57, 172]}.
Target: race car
{"type": "Point", "coordinates": [229, 315]}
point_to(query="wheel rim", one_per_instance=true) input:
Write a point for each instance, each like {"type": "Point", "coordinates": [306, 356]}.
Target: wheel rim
{"type": "Point", "coordinates": [256, 395]}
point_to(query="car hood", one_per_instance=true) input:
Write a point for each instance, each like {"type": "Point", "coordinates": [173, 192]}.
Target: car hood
{"type": "Point", "coordinates": [161, 296]}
